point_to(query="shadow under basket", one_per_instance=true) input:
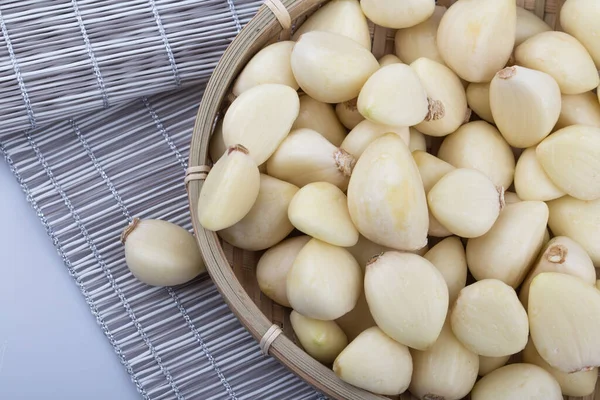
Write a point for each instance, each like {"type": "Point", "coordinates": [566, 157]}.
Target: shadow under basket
{"type": "Point", "coordinates": [232, 269]}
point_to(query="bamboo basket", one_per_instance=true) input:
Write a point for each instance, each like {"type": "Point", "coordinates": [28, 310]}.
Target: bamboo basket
{"type": "Point", "coordinates": [233, 269]}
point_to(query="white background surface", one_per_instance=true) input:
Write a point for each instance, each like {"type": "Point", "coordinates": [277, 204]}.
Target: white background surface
{"type": "Point", "coordinates": [50, 345]}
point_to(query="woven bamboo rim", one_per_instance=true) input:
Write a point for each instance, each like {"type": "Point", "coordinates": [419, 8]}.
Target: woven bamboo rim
{"type": "Point", "coordinates": [269, 25]}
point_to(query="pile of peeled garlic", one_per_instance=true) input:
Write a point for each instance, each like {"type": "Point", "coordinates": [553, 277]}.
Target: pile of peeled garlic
{"type": "Point", "coordinates": [432, 214]}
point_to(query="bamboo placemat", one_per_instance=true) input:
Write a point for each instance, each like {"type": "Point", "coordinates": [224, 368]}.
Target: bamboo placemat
{"type": "Point", "coordinates": [99, 100]}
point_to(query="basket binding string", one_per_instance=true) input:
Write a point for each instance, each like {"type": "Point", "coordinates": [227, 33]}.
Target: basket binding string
{"type": "Point", "coordinates": [197, 173]}
{"type": "Point", "coordinates": [268, 338]}
{"type": "Point", "coordinates": [282, 15]}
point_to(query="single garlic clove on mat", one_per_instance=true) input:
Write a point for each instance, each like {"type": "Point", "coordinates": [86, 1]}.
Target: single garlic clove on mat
{"type": "Point", "coordinates": [476, 38]}
{"type": "Point", "coordinates": [375, 362]}
{"type": "Point", "coordinates": [561, 56]}
{"type": "Point", "coordinates": [397, 14]}
{"type": "Point", "coordinates": [571, 158]}
{"type": "Point", "coordinates": [331, 68]}
{"type": "Point", "coordinates": [580, 19]}
{"type": "Point", "coordinates": [357, 320]}
{"type": "Point", "coordinates": [449, 257]}
{"type": "Point", "coordinates": [324, 281]}
{"type": "Point", "coordinates": [267, 223]}
{"type": "Point", "coordinates": [563, 316]}
{"type": "Point", "coordinates": [507, 251]}
{"type": "Point", "coordinates": [575, 384]}
{"type": "Point", "coordinates": [160, 253]}
{"type": "Point", "coordinates": [348, 114]}
{"type": "Point", "coordinates": [531, 181]}
{"type": "Point", "coordinates": [260, 118]}
{"type": "Point", "coordinates": [580, 221]}
{"type": "Point", "coordinates": [489, 319]}
{"type": "Point", "coordinates": [320, 117]}
{"type": "Point", "coordinates": [408, 298]}
{"type": "Point", "coordinates": [417, 140]}
{"type": "Point", "coordinates": [579, 109]}
{"type": "Point", "coordinates": [274, 265]}
{"type": "Point", "coordinates": [366, 132]}
{"type": "Point", "coordinates": [305, 156]}
{"type": "Point", "coordinates": [447, 98]}
{"type": "Point", "coordinates": [479, 145]}
{"type": "Point", "coordinates": [322, 340]}
{"type": "Point", "coordinates": [478, 99]}
{"type": "Point", "coordinates": [395, 96]}
{"type": "Point", "coordinates": [386, 199]}
{"type": "Point", "coordinates": [447, 370]}
{"type": "Point", "coordinates": [320, 210]}
{"type": "Point", "coordinates": [489, 364]}
{"type": "Point", "coordinates": [466, 202]}
{"type": "Point", "coordinates": [525, 104]}
{"type": "Point", "coordinates": [563, 255]}
{"type": "Point", "coordinates": [389, 59]}
{"type": "Point", "coordinates": [230, 190]}
{"type": "Point", "coordinates": [343, 17]}
{"type": "Point", "coordinates": [420, 40]}
{"type": "Point", "coordinates": [517, 381]}
{"type": "Point", "coordinates": [528, 25]}
{"type": "Point", "coordinates": [269, 65]}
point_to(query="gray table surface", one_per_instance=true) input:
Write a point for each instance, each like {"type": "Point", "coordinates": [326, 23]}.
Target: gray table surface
{"type": "Point", "coordinates": [50, 345]}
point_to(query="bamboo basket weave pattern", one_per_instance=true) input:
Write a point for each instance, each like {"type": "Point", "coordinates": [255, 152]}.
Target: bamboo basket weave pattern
{"type": "Point", "coordinates": [233, 269]}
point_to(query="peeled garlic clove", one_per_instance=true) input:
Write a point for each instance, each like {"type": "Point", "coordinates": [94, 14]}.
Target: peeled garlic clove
{"type": "Point", "coordinates": [466, 202]}
{"type": "Point", "coordinates": [489, 364]}
{"type": "Point", "coordinates": [320, 210]}
{"type": "Point", "coordinates": [323, 340]}
{"type": "Point", "coordinates": [305, 156]}
{"type": "Point", "coordinates": [343, 17]}
{"type": "Point", "coordinates": [576, 384]}
{"type": "Point", "coordinates": [531, 181]}
{"type": "Point", "coordinates": [509, 249]}
{"type": "Point", "coordinates": [489, 319]}
{"type": "Point", "coordinates": [348, 114]}
{"type": "Point", "coordinates": [217, 145]}
{"type": "Point", "coordinates": [358, 320]}
{"type": "Point", "coordinates": [395, 14]}
{"type": "Point", "coordinates": [420, 40]}
{"type": "Point", "coordinates": [260, 118]}
{"type": "Point", "coordinates": [366, 132]}
{"type": "Point", "coordinates": [436, 229]}
{"type": "Point", "coordinates": [365, 249]}
{"type": "Point", "coordinates": [229, 191]}
{"type": "Point", "coordinates": [478, 145]}
{"type": "Point", "coordinates": [331, 68]}
{"type": "Point", "coordinates": [320, 117]}
{"type": "Point", "coordinates": [267, 223]}
{"type": "Point", "coordinates": [478, 99]}
{"type": "Point", "coordinates": [562, 56]}
{"type": "Point", "coordinates": [431, 168]}
{"type": "Point", "coordinates": [571, 158]}
{"type": "Point", "coordinates": [447, 370]}
{"type": "Point", "coordinates": [273, 267]}
{"type": "Point", "coordinates": [563, 316]}
{"type": "Point", "coordinates": [389, 59]}
{"type": "Point", "coordinates": [579, 109]}
{"type": "Point", "coordinates": [375, 362]}
{"type": "Point", "coordinates": [517, 381]}
{"type": "Point", "coordinates": [511, 198]}
{"type": "Point", "coordinates": [447, 98]}
{"type": "Point", "coordinates": [408, 298]}
{"type": "Point", "coordinates": [580, 19]}
{"type": "Point", "coordinates": [476, 38]}
{"type": "Point", "coordinates": [394, 96]}
{"type": "Point", "coordinates": [386, 199]}
{"type": "Point", "coordinates": [579, 220]}
{"type": "Point", "coordinates": [528, 25]}
{"type": "Point", "coordinates": [160, 253]}
{"type": "Point", "coordinates": [269, 65]}
{"type": "Point", "coordinates": [417, 140]}
{"type": "Point", "coordinates": [448, 256]}
{"type": "Point", "coordinates": [525, 104]}
{"type": "Point", "coordinates": [324, 281]}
